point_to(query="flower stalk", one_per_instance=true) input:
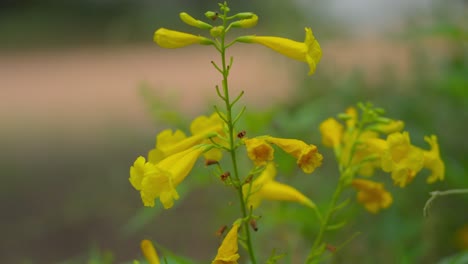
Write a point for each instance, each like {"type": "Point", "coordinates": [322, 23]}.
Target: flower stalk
{"type": "Point", "coordinates": [225, 68]}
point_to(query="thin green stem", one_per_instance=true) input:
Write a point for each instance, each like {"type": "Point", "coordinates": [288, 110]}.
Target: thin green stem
{"type": "Point", "coordinates": [232, 149]}
{"type": "Point", "coordinates": [314, 254]}
{"type": "Point", "coordinates": [436, 194]}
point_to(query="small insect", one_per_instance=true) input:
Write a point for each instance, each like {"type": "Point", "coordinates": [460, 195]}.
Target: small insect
{"type": "Point", "coordinates": [331, 248]}
{"type": "Point", "coordinates": [225, 175]}
{"type": "Point", "coordinates": [221, 230]}
{"type": "Point", "coordinates": [209, 162]}
{"type": "Point", "coordinates": [248, 179]}
{"type": "Point", "coordinates": [253, 224]}
{"type": "Point", "coordinates": [241, 134]}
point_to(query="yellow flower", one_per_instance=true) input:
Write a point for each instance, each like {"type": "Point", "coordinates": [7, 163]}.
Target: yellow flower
{"type": "Point", "coordinates": [259, 151]}
{"type": "Point", "coordinates": [265, 187]}
{"type": "Point", "coordinates": [160, 180]}
{"type": "Point", "coordinates": [353, 114]}
{"type": "Point", "coordinates": [402, 159]}
{"type": "Point", "coordinates": [372, 195]}
{"type": "Point", "coordinates": [332, 132]}
{"type": "Point", "coordinates": [308, 51]}
{"type": "Point", "coordinates": [371, 146]}
{"type": "Point", "coordinates": [149, 251]}
{"type": "Point", "coordinates": [171, 39]}
{"type": "Point", "coordinates": [202, 127]}
{"type": "Point", "coordinates": [137, 172]}
{"type": "Point", "coordinates": [189, 20]}
{"type": "Point", "coordinates": [227, 252]}
{"type": "Point", "coordinates": [308, 157]}
{"type": "Point", "coordinates": [433, 161]}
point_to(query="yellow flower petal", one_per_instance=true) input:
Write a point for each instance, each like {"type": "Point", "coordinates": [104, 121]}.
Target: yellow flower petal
{"type": "Point", "coordinates": [372, 195]}
{"type": "Point", "coordinates": [308, 51]}
{"type": "Point", "coordinates": [265, 187]}
{"type": "Point", "coordinates": [166, 176]}
{"type": "Point", "coordinates": [202, 127]}
{"type": "Point", "coordinates": [308, 157]}
{"type": "Point", "coordinates": [227, 252]}
{"type": "Point", "coordinates": [332, 132]}
{"type": "Point", "coordinates": [402, 159]}
{"type": "Point", "coordinates": [137, 172]}
{"type": "Point", "coordinates": [149, 252]}
{"type": "Point", "coordinates": [433, 161]}
{"type": "Point", "coordinates": [259, 151]}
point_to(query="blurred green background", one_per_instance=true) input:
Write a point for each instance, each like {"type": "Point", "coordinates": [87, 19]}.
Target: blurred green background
{"type": "Point", "coordinates": [83, 92]}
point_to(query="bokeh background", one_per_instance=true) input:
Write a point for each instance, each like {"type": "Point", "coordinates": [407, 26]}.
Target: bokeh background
{"type": "Point", "coordinates": [83, 92]}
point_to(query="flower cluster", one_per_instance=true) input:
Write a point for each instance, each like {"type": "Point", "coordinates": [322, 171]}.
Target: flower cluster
{"type": "Point", "coordinates": [173, 158]}
{"type": "Point", "coordinates": [308, 51]}
{"type": "Point", "coordinates": [370, 142]}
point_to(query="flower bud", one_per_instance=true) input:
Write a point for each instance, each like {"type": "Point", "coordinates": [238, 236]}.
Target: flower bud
{"type": "Point", "coordinates": [211, 15]}
{"type": "Point", "coordinates": [246, 23]}
{"type": "Point", "coordinates": [216, 31]}
{"type": "Point", "coordinates": [189, 20]}
{"type": "Point", "coordinates": [171, 39]}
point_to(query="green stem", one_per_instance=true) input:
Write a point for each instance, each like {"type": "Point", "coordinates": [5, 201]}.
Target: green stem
{"type": "Point", "coordinates": [232, 148]}
{"type": "Point", "coordinates": [314, 253]}
{"type": "Point", "coordinates": [436, 194]}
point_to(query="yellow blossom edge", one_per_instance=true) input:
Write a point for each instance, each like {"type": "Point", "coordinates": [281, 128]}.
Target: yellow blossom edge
{"type": "Point", "coordinates": [266, 188]}
{"type": "Point", "coordinates": [308, 51]}
{"type": "Point", "coordinates": [227, 252]}
{"type": "Point", "coordinates": [307, 155]}
{"type": "Point", "coordinates": [149, 252]}
{"type": "Point", "coordinates": [332, 132]}
{"type": "Point", "coordinates": [372, 195]}
{"type": "Point", "coordinates": [433, 161]}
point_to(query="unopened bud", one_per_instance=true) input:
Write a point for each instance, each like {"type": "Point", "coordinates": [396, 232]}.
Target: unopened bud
{"type": "Point", "coordinates": [216, 31]}
{"type": "Point", "coordinates": [212, 15]}
{"type": "Point", "coordinates": [189, 20]}
{"type": "Point", "coordinates": [246, 23]}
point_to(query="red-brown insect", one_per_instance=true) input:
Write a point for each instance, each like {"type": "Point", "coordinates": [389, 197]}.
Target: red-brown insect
{"type": "Point", "coordinates": [241, 134]}
{"type": "Point", "coordinates": [221, 230]}
{"type": "Point", "coordinates": [225, 175]}
{"type": "Point", "coordinates": [253, 224]}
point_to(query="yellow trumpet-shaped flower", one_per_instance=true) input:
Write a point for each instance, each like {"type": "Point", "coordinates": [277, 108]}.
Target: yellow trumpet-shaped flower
{"type": "Point", "coordinates": [308, 157]}
{"type": "Point", "coordinates": [433, 161]}
{"type": "Point", "coordinates": [202, 128]}
{"type": "Point", "coordinates": [227, 252]}
{"type": "Point", "coordinates": [332, 132]}
{"type": "Point", "coordinates": [402, 159]}
{"type": "Point", "coordinates": [259, 151]}
{"type": "Point", "coordinates": [308, 51]}
{"type": "Point", "coordinates": [149, 252]}
{"type": "Point", "coordinates": [265, 187]}
{"type": "Point", "coordinates": [372, 195]}
{"type": "Point", "coordinates": [160, 180]}
{"type": "Point", "coordinates": [171, 39]}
